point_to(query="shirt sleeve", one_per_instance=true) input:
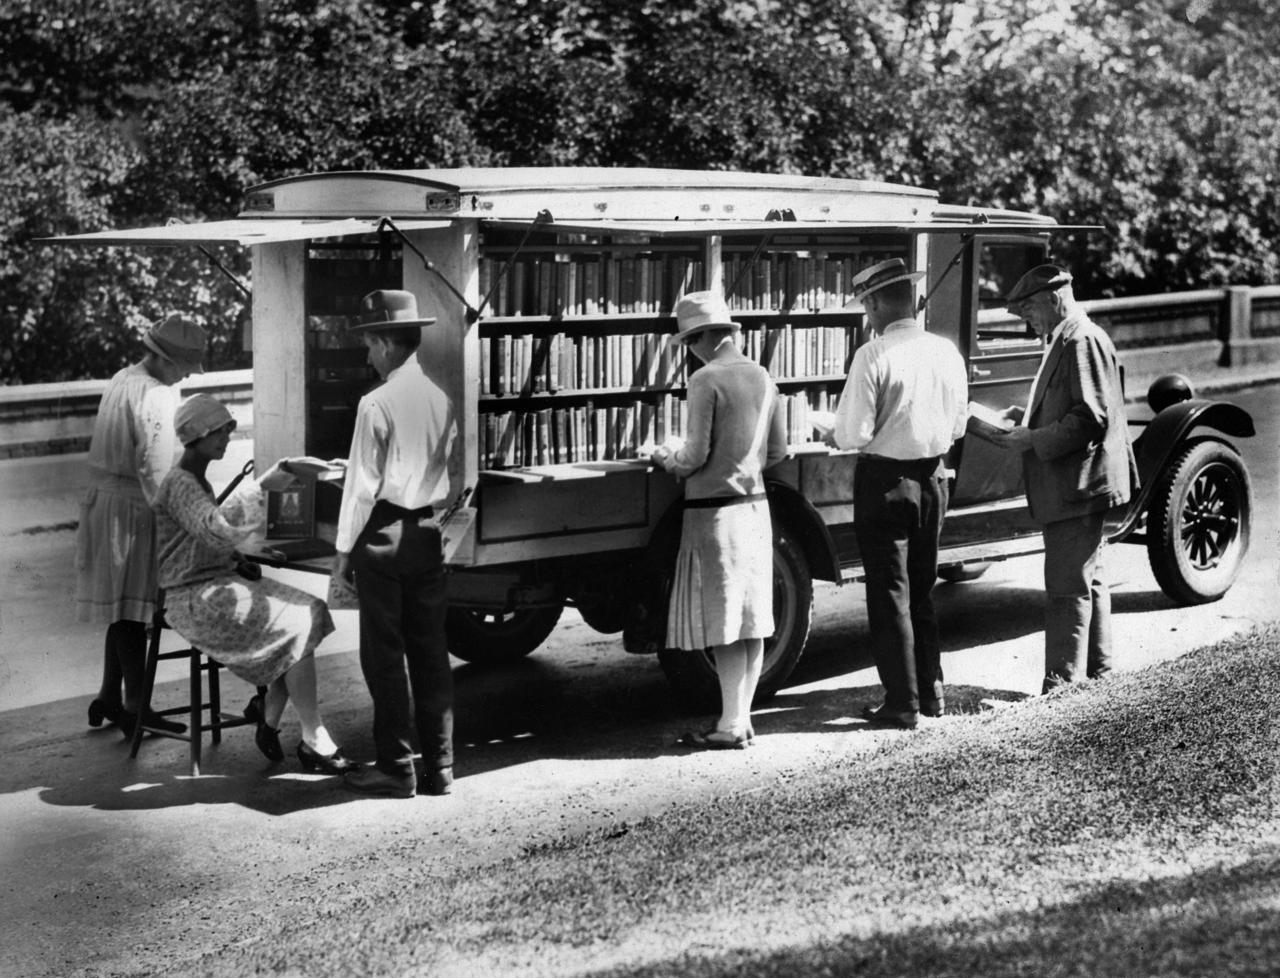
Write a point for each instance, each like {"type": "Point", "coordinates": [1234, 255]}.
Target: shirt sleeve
{"type": "Point", "coordinates": [777, 446]}
{"type": "Point", "coordinates": [855, 423]}
{"type": "Point", "coordinates": [364, 474]}
{"type": "Point", "coordinates": [155, 442]}
{"type": "Point", "coordinates": [217, 528]}
{"type": "Point", "coordinates": [961, 382]}
{"type": "Point", "coordinates": [697, 446]}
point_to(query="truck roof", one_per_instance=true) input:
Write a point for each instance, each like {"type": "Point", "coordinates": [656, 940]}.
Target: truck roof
{"type": "Point", "coordinates": [605, 194]}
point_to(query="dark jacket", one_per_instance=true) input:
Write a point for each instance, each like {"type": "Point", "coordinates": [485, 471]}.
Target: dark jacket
{"type": "Point", "coordinates": [1081, 459]}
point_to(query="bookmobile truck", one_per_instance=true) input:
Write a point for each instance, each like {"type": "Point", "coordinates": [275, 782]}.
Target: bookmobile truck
{"type": "Point", "coordinates": [553, 291]}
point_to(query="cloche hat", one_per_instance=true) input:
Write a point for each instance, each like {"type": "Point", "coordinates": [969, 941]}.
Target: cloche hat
{"type": "Point", "coordinates": [179, 339]}
{"type": "Point", "coordinates": [697, 311]}
{"type": "Point", "coordinates": [881, 274]}
{"type": "Point", "coordinates": [198, 415]}
{"type": "Point", "coordinates": [389, 309]}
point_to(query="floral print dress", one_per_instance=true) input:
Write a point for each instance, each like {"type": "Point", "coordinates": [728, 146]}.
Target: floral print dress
{"type": "Point", "coordinates": [257, 629]}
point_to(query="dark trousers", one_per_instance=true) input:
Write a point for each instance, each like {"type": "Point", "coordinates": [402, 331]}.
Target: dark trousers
{"type": "Point", "coordinates": [897, 511]}
{"type": "Point", "coordinates": [1077, 628]}
{"type": "Point", "coordinates": [399, 572]}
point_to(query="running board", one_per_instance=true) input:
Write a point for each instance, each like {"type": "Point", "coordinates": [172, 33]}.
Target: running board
{"type": "Point", "coordinates": [978, 553]}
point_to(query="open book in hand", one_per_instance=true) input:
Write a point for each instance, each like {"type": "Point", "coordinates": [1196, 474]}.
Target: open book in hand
{"type": "Point", "coordinates": [987, 423]}
{"type": "Point", "coordinates": [309, 467]}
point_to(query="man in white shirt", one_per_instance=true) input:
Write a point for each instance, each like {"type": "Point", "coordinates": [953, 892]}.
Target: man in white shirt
{"type": "Point", "coordinates": [903, 405]}
{"type": "Point", "coordinates": [398, 479]}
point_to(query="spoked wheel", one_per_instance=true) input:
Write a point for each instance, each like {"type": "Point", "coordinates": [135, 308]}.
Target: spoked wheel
{"type": "Point", "coordinates": [494, 637]}
{"type": "Point", "coordinates": [693, 674]}
{"type": "Point", "coordinates": [1198, 523]}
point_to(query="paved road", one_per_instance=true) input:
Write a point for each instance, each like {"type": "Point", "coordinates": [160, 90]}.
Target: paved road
{"type": "Point", "coordinates": [99, 863]}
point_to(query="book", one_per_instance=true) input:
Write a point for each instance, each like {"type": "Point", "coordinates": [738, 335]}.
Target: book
{"type": "Point", "coordinates": [309, 467]}
{"type": "Point", "coordinates": [291, 512]}
{"type": "Point", "coordinates": [986, 423]}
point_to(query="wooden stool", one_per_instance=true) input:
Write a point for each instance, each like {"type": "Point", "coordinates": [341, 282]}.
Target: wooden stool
{"type": "Point", "coordinates": [218, 721]}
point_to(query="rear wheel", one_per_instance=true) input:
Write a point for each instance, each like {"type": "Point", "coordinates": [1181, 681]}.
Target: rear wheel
{"type": "Point", "coordinates": [1198, 523]}
{"type": "Point", "coordinates": [494, 637]}
{"type": "Point", "coordinates": [693, 674]}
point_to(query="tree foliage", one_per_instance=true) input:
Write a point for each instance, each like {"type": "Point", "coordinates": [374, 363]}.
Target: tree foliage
{"type": "Point", "coordinates": [1154, 118]}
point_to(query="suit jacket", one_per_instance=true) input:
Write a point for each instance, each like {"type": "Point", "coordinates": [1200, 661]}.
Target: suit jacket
{"type": "Point", "coordinates": [1081, 459]}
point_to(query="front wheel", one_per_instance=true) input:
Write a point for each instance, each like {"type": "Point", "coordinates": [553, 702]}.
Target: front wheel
{"type": "Point", "coordinates": [1198, 523]}
{"type": "Point", "coordinates": [495, 637]}
{"type": "Point", "coordinates": [693, 674]}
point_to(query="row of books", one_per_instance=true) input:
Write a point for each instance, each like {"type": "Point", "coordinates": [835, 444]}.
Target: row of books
{"type": "Point", "coordinates": [588, 285]}
{"type": "Point", "coordinates": [529, 363]}
{"type": "Point", "coordinates": [535, 364]}
{"type": "Point", "coordinates": [808, 281]}
{"type": "Point", "coordinates": [592, 284]}
{"type": "Point", "coordinates": [589, 432]}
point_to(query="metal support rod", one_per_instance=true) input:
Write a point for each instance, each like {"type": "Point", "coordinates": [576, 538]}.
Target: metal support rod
{"type": "Point", "coordinates": [543, 217]}
{"type": "Point", "coordinates": [965, 241]}
{"type": "Point", "coordinates": [472, 313]}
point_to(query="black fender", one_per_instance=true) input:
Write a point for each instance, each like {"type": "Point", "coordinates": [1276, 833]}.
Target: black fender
{"type": "Point", "coordinates": [1165, 434]}
{"type": "Point", "coordinates": [805, 525]}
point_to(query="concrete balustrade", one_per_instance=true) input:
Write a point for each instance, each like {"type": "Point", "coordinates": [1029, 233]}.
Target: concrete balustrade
{"type": "Point", "coordinates": [1218, 337]}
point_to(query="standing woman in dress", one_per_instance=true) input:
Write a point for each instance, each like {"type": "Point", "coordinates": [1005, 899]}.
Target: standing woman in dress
{"type": "Point", "coordinates": [722, 595]}
{"type": "Point", "coordinates": [131, 450]}
{"type": "Point", "coordinates": [262, 630]}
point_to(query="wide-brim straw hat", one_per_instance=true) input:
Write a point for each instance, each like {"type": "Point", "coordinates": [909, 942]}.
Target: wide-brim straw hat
{"type": "Point", "coordinates": [178, 339]}
{"type": "Point", "coordinates": [699, 311]}
{"type": "Point", "coordinates": [881, 274]}
{"type": "Point", "coordinates": [389, 309]}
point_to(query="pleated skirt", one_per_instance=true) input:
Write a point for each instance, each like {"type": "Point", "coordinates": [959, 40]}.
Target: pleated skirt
{"type": "Point", "coordinates": [723, 587]}
{"type": "Point", "coordinates": [115, 555]}
{"type": "Point", "coordinates": [257, 629]}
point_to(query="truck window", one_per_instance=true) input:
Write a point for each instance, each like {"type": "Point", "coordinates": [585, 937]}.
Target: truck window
{"type": "Point", "coordinates": [1000, 264]}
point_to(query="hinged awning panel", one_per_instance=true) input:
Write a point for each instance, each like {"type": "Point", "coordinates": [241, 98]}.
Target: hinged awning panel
{"type": "Point", "coordinates": [780, 228]}
{"type": "Point", "coordinates": [241, 232]}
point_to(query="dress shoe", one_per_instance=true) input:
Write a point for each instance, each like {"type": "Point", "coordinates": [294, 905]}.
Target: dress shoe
{"type": "Point", "coordinates": [334, 763]}
{"type": "Point", "coordinates": [253, 710]}
{"type": "Point", "coordinates": [933, 708]}
{"type": "Point", "coordinates": [100, 710]}
{"type": "Point", "coordinates": [885, 717]}
{"type": "Point", "coordinates": [373, 781]}
{"type": "Point", "coordinates": [151, 720]}
{"type": "Point", "coordinates": [437, 782]}
{"type": "Point", "coordinates": [268, 741]}
{"type": "Point", "coordinates": [714, 740]}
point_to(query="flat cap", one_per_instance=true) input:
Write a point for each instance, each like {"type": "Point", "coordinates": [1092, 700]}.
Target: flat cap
{"type": "Point", "coordinates": [1042, 278]}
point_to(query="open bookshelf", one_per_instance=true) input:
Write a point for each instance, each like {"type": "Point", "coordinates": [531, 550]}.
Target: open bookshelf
{"type": "Point", "coordinates": [338, 274]}
{"type": "Point", "coordinates": [577, 360]}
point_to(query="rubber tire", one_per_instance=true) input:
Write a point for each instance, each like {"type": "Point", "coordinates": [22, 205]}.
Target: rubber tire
{"type": "Point", "coordinates": [1211, 474]}
{"type": "Point", "coordinates": [608, 617]}
{"type": "Point", "coordinates": [959, 573]}
{"type": "Point", "coordinates": [692, 675]}
{"type": "Point", "coordinates": [492, 638]}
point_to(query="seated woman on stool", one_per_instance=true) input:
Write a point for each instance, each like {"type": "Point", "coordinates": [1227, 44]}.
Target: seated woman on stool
{"type": "Point", "coordinates": [262, 630]}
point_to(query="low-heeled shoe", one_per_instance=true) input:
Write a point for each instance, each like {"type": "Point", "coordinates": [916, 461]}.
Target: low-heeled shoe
{"type": "Point", "coordinates": [313, 760]}
{"type": "Point", "coordinates": [372, 781]}
{"type": "Point", "coordinates": [253, 710]}
{"type": "Point", "coordinates": [714, 740]}
{"type": "Point", "coordinates": [885, 717]}
{"type": "Point", "coordinates": [437, 782]}
{"type": "Point", "coordinates": [933, 708]}
{"type": "Point", "coordinates": [100, 710]}
{"type": "Point", "coordinates": [268, 741]}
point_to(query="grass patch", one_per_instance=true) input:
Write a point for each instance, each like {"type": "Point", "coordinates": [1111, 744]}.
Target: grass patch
{"type": "Point", "coordinates": [1119, 828]}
